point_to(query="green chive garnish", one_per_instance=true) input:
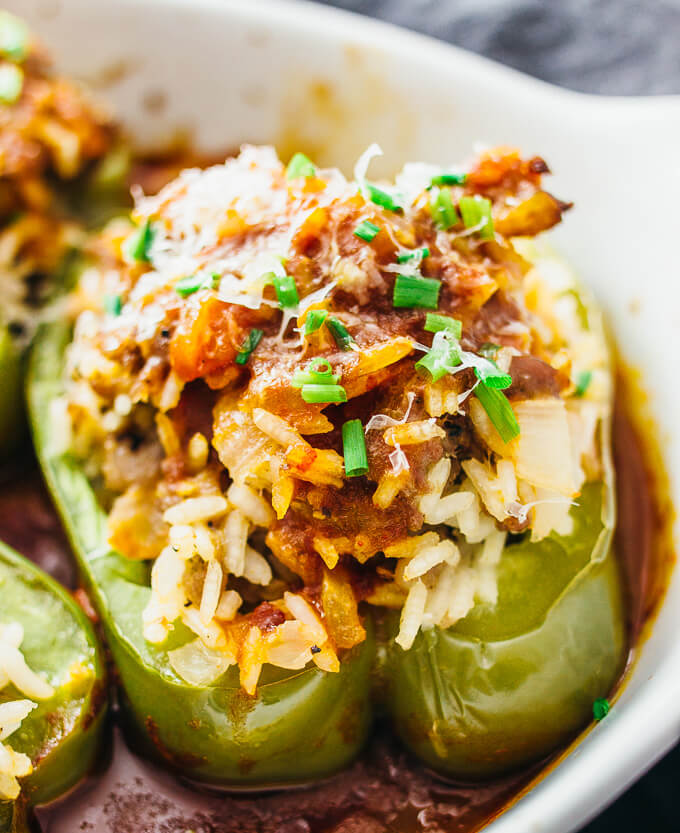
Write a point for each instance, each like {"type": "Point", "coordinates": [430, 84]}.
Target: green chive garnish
{"type": "Point", "coordinates": [251, 342]}
{"type": "Point", "coordinates": [448, 179]}
{"type": "Point", "coordinates": [139, 243]}
{"type": "Point", "coordinates": [316, 394]}
{"type": "Point", "coordinates": [441, 357]}
{"type": "Point", "coordinates": [489, 350]}
{"type": "Point", "coordinates": [340, 333]}
{"type": "Point", "coordinates": [286, 291]}
{"type": "Point", "coordinates": [416, 254]}
{"type": "Point", "coordinates": [435, 323]}
{"type": "Point", "coordinates": [383, 198]}
{"type": "Point", "coordinates": [601, 708]}
{"type": "Point", "coordinates": [317, 372]}
{"type": "Point", "coordinates": [476, 210]}
{"type": "Point", "coordinates": [354, 448]}
{"type": "Point", "coordinates": [314, 320]}
{"type": "Point", "coordinates": [192, 283]}
{"type": "Point", "coordinates": [416, 291]}
{"type": "Point", "coordinates": [499, 411]}
{"type": "Point", "coordinates": [14, 37]}
{"type": "Point", "coordinates": [300, 165]}
{"type": "Point", "coordinates": [189, 285]}
{"type": "Point", "coordinates": [113, 304]}
{"type": "Point", "coordinates": [583, 381]}
{"type": "Point", "coordinates": [581, 308]}
{"type": "Point", "coordinates": [366, 230]}
{"type": "Point", "coordinates": [492, 376]}
{"type": "Point", "coordinates": [442, 210]}
{"type": "Point", "coordinates": [11, 83]}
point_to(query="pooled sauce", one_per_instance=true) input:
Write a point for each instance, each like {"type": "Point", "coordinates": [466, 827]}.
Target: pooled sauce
{"type": "Point", "coordinates": [386, 791]}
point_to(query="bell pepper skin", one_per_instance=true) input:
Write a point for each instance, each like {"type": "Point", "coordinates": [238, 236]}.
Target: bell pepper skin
{"type": "Point", "coordinates": [509, 684]}
{"type": "Point", "coordinates": [12, 423]}
{"type": "Point", "coordinates": [6, 814]}
{"type": "Point", "coordinates": [13, 427]}
{"type": "Point", "coordinates": [300, 725]}
{"type": "Point", "coordinates": [90, 200]}
{"type": "Point", "coordinates": [61, 735]}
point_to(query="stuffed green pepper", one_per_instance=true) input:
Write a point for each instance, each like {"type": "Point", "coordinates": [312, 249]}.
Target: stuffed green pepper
{"type": "Point", "coordinates": [292, 411]}
{"type": "Point", "coordinates": [52, 691]}
{"type": "Point", "coordinates": [53, 139]}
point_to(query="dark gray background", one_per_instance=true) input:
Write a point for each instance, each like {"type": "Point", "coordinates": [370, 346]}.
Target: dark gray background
{"type": "Point", "coordinates": [619, 47]}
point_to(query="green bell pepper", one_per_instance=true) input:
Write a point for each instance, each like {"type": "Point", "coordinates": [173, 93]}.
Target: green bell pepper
{"type": "Point", "coordinates": [61, 736]}
{"type": "Point", "coordinates": [301, 725]}
{"type": "Point", "coordinates": [505, 686]}
{"type": "Point", "coordinates": [90, 200]}
{"type": "Point", "coordinates": [102, 192]}
{"type": "Point", "coordinates": [511, 683]}
{"type": "Point", "coordinates": [11, 395]}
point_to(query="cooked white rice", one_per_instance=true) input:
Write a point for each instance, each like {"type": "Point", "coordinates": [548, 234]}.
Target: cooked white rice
{"type": "Point", "coordinates": [15, 671]}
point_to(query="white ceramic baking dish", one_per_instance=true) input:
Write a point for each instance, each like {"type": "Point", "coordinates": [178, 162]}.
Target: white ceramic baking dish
{"type": "Point", "coordinates": [307, 77]}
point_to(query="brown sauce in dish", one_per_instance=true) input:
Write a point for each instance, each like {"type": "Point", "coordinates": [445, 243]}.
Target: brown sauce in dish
{"type": "Point", "coordinates": [386, 791]}
{"type": "Point", "coordinates": [645, 514]}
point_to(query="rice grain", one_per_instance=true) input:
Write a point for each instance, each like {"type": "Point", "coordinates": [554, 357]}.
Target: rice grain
{"type": "Point", "coordinates": [196, 509]}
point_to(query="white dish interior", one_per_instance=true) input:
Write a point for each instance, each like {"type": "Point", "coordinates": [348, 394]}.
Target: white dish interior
{"type": "Point", "coordinates": [307, 77]}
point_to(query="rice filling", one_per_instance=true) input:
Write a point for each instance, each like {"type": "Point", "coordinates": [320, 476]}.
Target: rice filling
{"type": "Point", "coordinates": [291, 419]}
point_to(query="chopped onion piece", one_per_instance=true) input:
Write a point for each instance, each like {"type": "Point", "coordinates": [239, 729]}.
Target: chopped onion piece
{"type": "Point", "coordinates": [542, 451]}
{"type": "Point", "coordinates": [198, 665]}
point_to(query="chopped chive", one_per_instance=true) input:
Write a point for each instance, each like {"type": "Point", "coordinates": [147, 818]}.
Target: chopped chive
{"type": "Point", "coordinates": [188, 285]}
{"type": "Point", "coordinates": [286, 291]}
{"type": "Point", "coordinates": [300, 165]}
{"type": "Point", "coordinates": [383, 198]}
{"type": "Point", "coordinates": [435, 323]}
{"type": "Point", "coordinates": [314, 320]}
{"type": "Point", "coordinates": [11, 83]}
{"type": "Point", "coordinates": [442, 210]}
{"type": "Point", "coordinates": [489, 350]}
{"type": "Point", "coordinates": [354, 448]}
{"type": "Point", "coordinates": [583, 381]}
{"type": "Point", "coordinates": [499, 410]}
{"type": "Point", "coordinates": [492, 376]}
{"type": "Point", "coordinates": [139, 243]}
{"type": "Point", "coordinates": [317, 372]}
{"type": "Point", "coordinates": [581, 308]}
{"type": "Point", "coordinates": [366, 230]}
{"type": "Point", "coordinates": [475, 211]}
{"type": "Point", "coordinates": [448, 179]}
{"type": "Point", "coordinates": [416, 291]}
{"type": "Point", "coordinates": [14, 37]}
{"type": "Point", "coordinates": [251, 342]}
{"type": "Point", "coordinates": [113, 304]}
{"type": "Point", "coordinates": [316, 394]}
{"type": "Point", "coordinates": [415, 254]}
{"type": "Point", "coordinates": [322, 367]}
{"type": "Point", "coordinates": [601, 708]}
{"type": "Point", "coordinates": [340, 333]}
{"type": "Point", "coordinates": [192, 283]}
{"type": "Point", "coordinates": [441, 357]}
